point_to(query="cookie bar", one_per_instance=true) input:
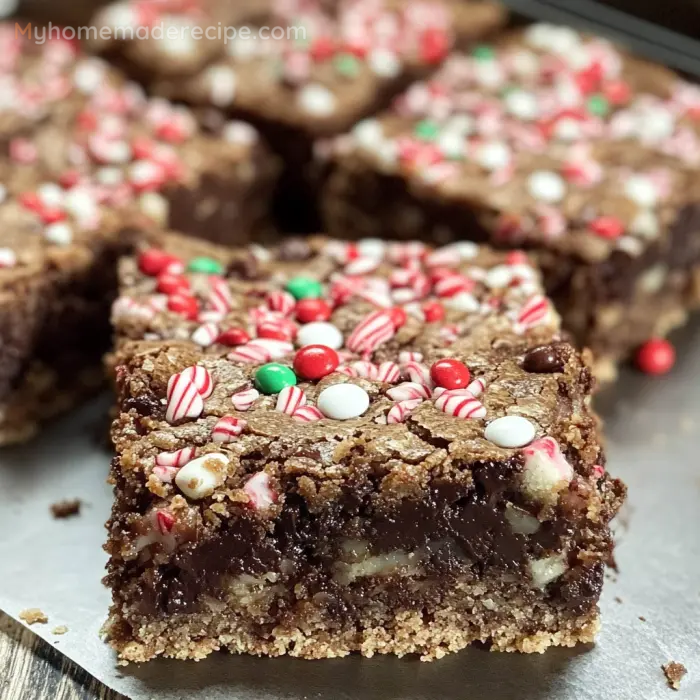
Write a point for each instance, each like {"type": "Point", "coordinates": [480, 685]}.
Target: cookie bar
{"type": "Point", "coordinates": [555, 142]}
{"type": "Point", "coordinates": [298, 70]}
{"type": "Point", "coordinates": [327, 447]}
{"type": "Point", "coordinates": [74, 120]}
{"type": "Point", "coordinates": [87, 162]}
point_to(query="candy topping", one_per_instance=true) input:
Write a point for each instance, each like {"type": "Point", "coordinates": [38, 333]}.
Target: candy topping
{"type": "Point", "coordinates": [343, 401]}
{"type": "Point", "coordinates": [510, 431]}
{"type": "Point", "coordinates": [198, 478]}
{"type": "Point", "coordinates": [656, 357]}
{"type": "Point", "coordinates": [450, 373]}
{"type": "Point", "coordinates": [304, 288]}
{"type": "Point", "coordinates": [227, 429]}
{"type": "Point", "coordinates": [315, 361]}
{"type": "Point", "coordinates": [320, 333]}
{"type": "Point", "coordinates": [273, 377]}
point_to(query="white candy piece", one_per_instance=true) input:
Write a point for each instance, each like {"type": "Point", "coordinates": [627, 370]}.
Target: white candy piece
{"type": "Point", "coordinates": [546, 471]}
{"type": "Point", "coordinates": [368, 134]}
{"type": "Point", "coordinates": [384, 63]}
{"type": "Point", "coordinates": [544, 571]}
{"type": "Point", "coordinates": [320, 333]}
{"type": "Point", "coordinates": [641, 191]}
{"type": "Point", "coordinates": [343, 401]}
{"type": "Point", "coordinates": [316, 100]}
{"type": "Point", "coordinates": [546, 186]}
{"type": "Point", "coordinates": [493, 155]}
{"type": "Point", "coordinates": [510, 431]}
{"type": "Point", "coordinates": [198, 478]}
{"type": "Point", "coordinates": [59, 233]}
{"type": "Point", "coordinates": [522, 104]}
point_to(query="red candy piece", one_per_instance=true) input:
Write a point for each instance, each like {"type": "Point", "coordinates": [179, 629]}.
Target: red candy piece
{"type": "Point", "coordinates": [185, 305]}
{"type": "Point", "coordinates": [607, 226]}
{"type": "Point", "coordinates": [315, 361]}
{"type": "Point", "coordinates": [450, 373]}
{"type": "Point", "coordinates": [618, 92]}
{"type": "Point", "coordinates": [433, 311]}
{"type": "Point", "coordinates": [153, 261]}
{"type": "Point", "coordinates": [398, 316]}
{"type": "Point", "coordinates": [310, 310]}
{"type": "Point", "coordinates": [322, 48]}
{"type": "Point", "coordinates": [172, 284]}
{"type": "Point", "coordinates": [233, 336]}
{"type": "Point", "coordinates": [434, 45]}
{"type": "Point", "coordinates": [275, 331]}
{"type": "Point", "coordinates": [656, 357]}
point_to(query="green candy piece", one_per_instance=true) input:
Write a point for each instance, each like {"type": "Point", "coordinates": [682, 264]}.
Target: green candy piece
{"type": "Point", "coordinates": [598, 105]}
{"type": "Point", "coordinates": [304, 288]}
{"type": "Point", "coordinates": [427, 130]}
{"type": "Point", "coordinates": [347, 65]}
{"type": "Point", "coordinates": [273, 377]}
{"type": "Point", "coordinates": [483, 53]}
{"type": "Point", "coordinates": [207, 266]}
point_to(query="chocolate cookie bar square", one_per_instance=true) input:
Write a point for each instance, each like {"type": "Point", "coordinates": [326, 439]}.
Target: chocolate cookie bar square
{"type": "Point", "coordinates": [74, 121]}
{"type": "Point", "coordinates": [297, 70]}
{"type": "Point", "coordinates": [325, 448]}
{"type": "Point", "coordinates": [88, 163]}
{"type": "Point", "coordinates": [553, 141]}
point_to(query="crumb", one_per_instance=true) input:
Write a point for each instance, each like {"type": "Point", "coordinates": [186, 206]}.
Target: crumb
{"type": "Point", "coordinates": [618, 599]}
{"type": "Point", "coordinates": [66, 508]}
{"type": "Point", "coordinates": [642, 618]}
{"type": "Point", "coordinates": [674, 672]}
{"type": "Point", "coordinates": [61, 629]}
{"type": "Point", "coordinates": [33, 615]}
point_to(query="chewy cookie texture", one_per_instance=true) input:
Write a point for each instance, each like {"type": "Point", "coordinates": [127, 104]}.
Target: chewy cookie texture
{"type": "Point", "coordinates": [326, 447]}
{"type": "Point", "coordinates": [297, 70]}
{"type": "Point", "coordinates": [89, 164]}
{"type": "Point", "coordinates": [552, 141]}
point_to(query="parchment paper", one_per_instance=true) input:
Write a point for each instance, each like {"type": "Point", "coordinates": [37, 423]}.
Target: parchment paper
{"type": "Point", "coordinates": [652, 425]}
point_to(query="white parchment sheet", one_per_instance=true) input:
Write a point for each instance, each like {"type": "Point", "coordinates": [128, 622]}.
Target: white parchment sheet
{"type": "Point", "coordinates": [654, 440]}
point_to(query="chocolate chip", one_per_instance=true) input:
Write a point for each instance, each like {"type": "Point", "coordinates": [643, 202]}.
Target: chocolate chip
{"type": "Point", "coordinates": [294, 249]}
{"type": "Point", "coordinates": [144, 405]}
{"type": "Point", "coordinates": [244, 268]}
{"type": "Point", "coordinates": [544, 359]}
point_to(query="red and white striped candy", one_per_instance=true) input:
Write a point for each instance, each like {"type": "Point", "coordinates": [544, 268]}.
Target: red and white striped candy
{"type": "Point", "coordinates": [343, 288]}
{"type": "Point", "coordinates": [243, 400]}
{"type": "Point", "coordinates": [551, 221]}
{"type": "Point", "coordinates": [476, 388]}
{"type": "Point", "coordinates": [307, 414]}
{"type": "Point", "coordinates": [201, 378]}
{"type": "Point", "coordinates": [290, 399]}
{"type": "Point", "coordinates": [407, 356]}
{"type": "Point", "coordinates": [418, 372]}
{"type": "Point", "coordinates": [276, 329]}
{"type": "Point", "coordinates": [165, 474]}
{"type": "Point", "coordinates": [274, 348]}
{"type": "Point", "coordinates": [184, 400]}
{"type": "Point", "coordinates": [408, 390]}
{"type": "Point", "coordinates": [23, 151]}
{"type": "Point", "coordinates": [219, 295]}
{"type": "Point", "coordinates": [401, 410]}
{"type": "Point", "coordinates": [205, 335]}
{"type": "Point", "coordinates": [534, 311]}
{"type": "Point", "coordinates": [460, 405]}
{"type": "Point", "coordinates": [250, 354]}
{"type": "Point", "coordinates": [165, 521]}
{"type": "Point", "coordinates": [371, 332]}
{"type": "Point", "coordinates": [389, 372]}
{"type": "Point", "coordinates": [407, 252]}
{"type": "Point", "coordinates": [377, 297]}
{"type": "Point", "coordinates": [366, 370]}
{"type": "Point", "coordinates": [346, 369]}
{"type": "Point", "coordinates": [260, 491]}
{"type": "Point", "coordinates": [283, 302]}
{"type": "Point", "coordinates": [227, 429]}
{"type": "Point", "coordinates": [451, 285]}
{"type": "Point", "coordinates": [449, 334]}
{"type": "Point", "coordinates": [361, 266]}
{"type": "Point", "coordinates": [175, 459]}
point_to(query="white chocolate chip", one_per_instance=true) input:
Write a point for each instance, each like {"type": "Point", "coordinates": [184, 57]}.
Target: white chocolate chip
{"type": "Point", "coordinates": [59, 233]}
{"type": "Point", "coordinates": [316, 100]}
{"type": "Point", "coordinates": [520, 521]}
{"type": "Point", "coordinates": [522, 104]}
{"type": "Point", "coordinates": [493, 155]}
{"type": "Point", "coordinates": [641, 191]}
{"type": "Point", "coordinates": [221, 81]}
{"type": "Point", "coordinates": [384, 63]}
{"type": "Point", "coordinates": [546, 570]}
{"type": "Point", "coordinates": [368, 134]}
{"type": "Point", "coordinates": [198, 478]}
{"type": "Point", "coordinates": [546, 186]}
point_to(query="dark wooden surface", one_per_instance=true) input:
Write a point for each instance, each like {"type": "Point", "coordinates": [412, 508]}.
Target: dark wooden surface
{"type": "Point", "coordinates": [31, 669]}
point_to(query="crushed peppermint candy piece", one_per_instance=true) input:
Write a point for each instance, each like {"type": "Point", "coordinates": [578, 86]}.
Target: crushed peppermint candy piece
{"type": "Point", "coordinates": [401, 410]}
{"type": "Point", "coordinates": [546, 471]}
{"type": "Point", "coordinates": [259, 491]}
{"type": "Point", "coordinates": [227, 429]}
{"type": "Point", "coordinates": [460, 403]}
{"type": "Point", "coordinates": [290, 399]}
{"type": "Point", "coordinates": [307, 414]}
{"type": "Point", "coordinates": [243, 400]}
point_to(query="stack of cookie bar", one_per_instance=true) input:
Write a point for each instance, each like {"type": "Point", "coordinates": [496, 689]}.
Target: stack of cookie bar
{"type": "Point", "coordinates": [376, 442]}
